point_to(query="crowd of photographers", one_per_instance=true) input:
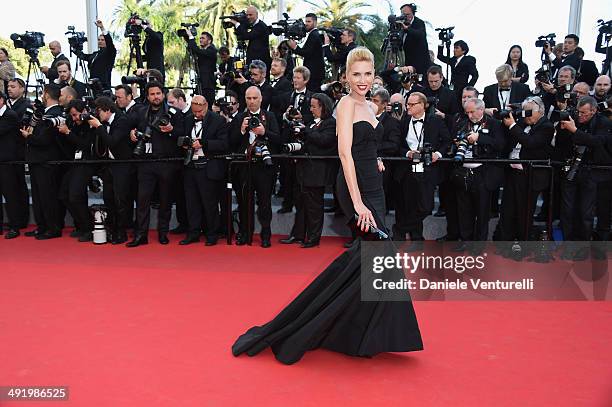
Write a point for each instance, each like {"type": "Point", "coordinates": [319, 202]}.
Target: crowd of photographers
{"type": "Point", "coordinates": [272, 105]}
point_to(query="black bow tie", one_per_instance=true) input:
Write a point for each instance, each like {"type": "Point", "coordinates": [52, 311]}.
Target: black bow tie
{"type": "Point", "coordinates": [106, 124]}
{"type": "Point", "coordinates": [504, 89]}
{"type": "Point", "coordinates": [418, 121]}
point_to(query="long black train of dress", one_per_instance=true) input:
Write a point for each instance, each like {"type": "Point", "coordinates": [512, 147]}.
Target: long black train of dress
{"type": "Point", "coordinates": [329, 313]}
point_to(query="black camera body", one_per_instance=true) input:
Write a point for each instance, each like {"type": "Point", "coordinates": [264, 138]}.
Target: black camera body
{"type": "Point", "coordinates": [565, 95]}
{"type": "Point", "coordinates": [411, 77]}
{"type": "Point", "coordinates": [605, 27]}
{"type": "Point", "coordinates": [445, 34]}
{"type": "Point", "coordinates": [573, 164]}
{"type": "Point", "coordinates": [565, 115]}
{"type": "Point", "coordinates": [543, 74]}
{"type": "Point", "coordinates": [297, 143]}
{"type": "Point", "coordinates": [289, 28]}
{"type": "Point", "coordinates": [192, 27]}
{"type": "Point", "coordinates": [241, 17]}
{"type": "Point", "coordinates": [253, 122]}
{"type": "Point", "coordinates": [76, 39]}
{"type": "Point", "coordinates": [460, 146]}
{"type": "Point", "coordinates": [133, 79]}
{"type": "Point", "coordinates": [30, 41]}
{"type": "Point", "coordinates": [225, 105]}
{"type": "Point", "coordinates": [33, 114]}
{"type": "Point", "coordinates": [432, 104]}
{"type": "Point", "coordinates": [397, 108]}
{"type": "Point", "coordinates": [141, 139]}
{"type": "Point", "coordinates": [334, 34]}
{"type": "Point", "coordinates": [133, 27]}
{"type": "Point", "coordinates": [546, 39]}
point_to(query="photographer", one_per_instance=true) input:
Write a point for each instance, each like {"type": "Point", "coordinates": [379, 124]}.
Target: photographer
{"type": "Point", "coordinates": [16, 101]}
{"type": "Point", "coordinates": [101, 62]}
{"type": "Point", "coordinates": [67, 94]}
{"type": "Point", "coordinates": [463, 66]}
{"type": "Point", "coordinates": [42, 145]}
{"type": "Point", "coordinates": [581, 89]}
{"type": "Point", "coordinates": [227, 107]}
{"type": "Point", "coordinates": [416, 50]}
{"type": "Point", "coordinates": [257, 33]}
{"type": "Point", "coordinates": [602, 88]}
{"type": "Point", "coordinates": [505, 92]}
{"type": "Point", "coordinates": [602, 46]}
{"type": "Point", "coordinates": [530, 140]}
{"type": "Point", "coordinates": [78, 131]}
{"type": "Point", "coordinates": [569, 57]}
{"type": "Point", "coordinates": [445, 105]}
{"type": "Point", "coordinates": [124, 99]}
{"type": "Point", "coordinates": [312, 52]}
{"type": "Point", "coordinates": [279, 81]}
{"type": "Point", "coordinates": [206, 55]}
{"type": "Point", "coordinates": [477, 137]}
{"type": "Point", "coordinates": [51, 71]}
{"type": "Point", "coordinates": [591, 143]}
{"type": "Point", "coordinates": [159, 128]}
{"type": "Point", "coordinates": [255, 133]}
{"type": "Point", "coordinates": [203, 176]}
{"type": "Point", "coordinates": [317, 137]}
{"type": "Point", "coordinates": [65, 78]}
{"type": "Point", "coordinates": [257, 75]}
{"type": "Point", "coordinates": [347, 40]}
{"type": "Point", "coordinates": [424, 140]}
{"type": "Point", "coordinates": [408, 82]}
{"type": "Point", "coordinates": [398, 104]}
{"type": "Point", "coordinates": [153, 47]}
{"type": "Point", "coordinates": [565, 76]}
{"type": "Point", "coordinates": [113, 143]}
{"type": "Point", "coordinates": [10, 174]}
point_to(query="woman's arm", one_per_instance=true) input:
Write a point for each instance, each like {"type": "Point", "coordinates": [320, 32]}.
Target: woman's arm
{"type": "Point", "coordinates": [344, 125]}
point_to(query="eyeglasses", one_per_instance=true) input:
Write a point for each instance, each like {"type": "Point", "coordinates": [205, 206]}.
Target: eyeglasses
{"type": "Point", "coordinates": [198, 103]}
{"type": "Point", "coordinates": [413, 104]}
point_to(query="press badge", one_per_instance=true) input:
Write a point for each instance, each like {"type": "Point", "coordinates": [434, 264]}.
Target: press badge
{"type": "Point", "coordinates": [78, 155]}
{"type": "Point", "coordinates": [420, 167]}
{"type": "Point", "coordinates": [148, 148]}
{"type": "Point", "coordinates": [485, 131]}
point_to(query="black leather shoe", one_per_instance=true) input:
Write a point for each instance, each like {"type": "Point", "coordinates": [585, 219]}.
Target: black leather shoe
{"type": "Point", "coordinates": [284, 210]}
{"type": "Point", "coordinates": [189, 240]}
{"type": "Point", "coordinates": [179, 230]}
{"type": "Point", "coordinates": [210, 242]}
{"type": "Point", "coordinates": [163, 239]}
{"type": "Point", "coordinates": [86, 237]}
{"type": "Point", "coordinates": [308, 245]}
{"type": "Point", "coordinates": [119, 238]}
{"type": "Point", "coordinates": [138, 241]}
{"type": "Point", "coordinates": [49, 235]}
{"type": "Point", "coordinates": [33, 233]}
{"type": "Point", "coordinates": [241, 240]}
{"type": "Point", "coordinates": [13, 233]}
{"type": "Point", "coordinates": [291, 240]}
{"type": "Point", "coordinates": [265, 243]}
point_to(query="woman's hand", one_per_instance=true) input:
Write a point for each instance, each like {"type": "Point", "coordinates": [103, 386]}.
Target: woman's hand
{"type": "Point", "coordinates": [364, 217]}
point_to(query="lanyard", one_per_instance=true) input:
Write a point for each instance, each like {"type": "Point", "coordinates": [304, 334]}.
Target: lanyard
{"type": "Point", "coordinates": [420, 136]}
{"type": "Point", "coordinates": [198, 134]}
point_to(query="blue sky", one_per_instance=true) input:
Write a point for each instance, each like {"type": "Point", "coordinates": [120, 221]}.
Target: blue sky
{"type": "Point", "coordinates": [489, 27]}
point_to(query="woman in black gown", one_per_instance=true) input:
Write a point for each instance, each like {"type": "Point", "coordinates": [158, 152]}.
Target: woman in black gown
{"type": "Point", "coordinates": [329, 313]}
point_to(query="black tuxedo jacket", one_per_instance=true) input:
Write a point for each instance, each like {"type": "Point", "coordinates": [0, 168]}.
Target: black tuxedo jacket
{"type": "Point", "coordinates": [319, 140]}
{"type": "Point", "coordinates": [416, 51]}
{"type": "Point", "coordinates": [82, 138]}
{"type": "Point", "coordinates": [597, 136]}
{"type": "Point", "coordinates": [389, 146]}
{"type": "Point", "coordinates": [52, 72]}
{"type": "Point", "coordinates": [288, 99]}
{"type": "Point", "coordinates": [258, 37]}
{"type": "Point", "coordinates": [571, 60]}
{"type": "Point", "coordinates": [281, 86]}
{"type": "Point", "coordinates": [44, 143]}
{"type": "Point", "coordinates": [101, 62]}
{"type": "Point", "coordinates": [118, 139]}
{"type": "Point", "coordinates": [535, 145]}
{"type": "Point", "coordinates": [312, 52]}
{"type": "Point", "coordinates": [465, 73]}
{"type": "Point", "coordinates": [587, 72]}
{"type": "Point", "coordinates": [447, 102]}
{"type": "Point", "coordinates": [20, 107]}
{"type": "Point", "coordinates": [164, 144]}
{"type": "Point", "coordinates": [239, 141]}
{"type": "Point", "coordinates": [518, 93]}
{"type": "Point", "coordinates": [267, 93]}
{"type": "Point", "coordinates": [207, 63]}
{"type": "Point", "coordinates": [153, 48]}
{"type": "Point", "coordinates": [79, 87]}
{"type": "Point", "coordinates": [215, 138]}
{"type": "Point", "coordinates": [436, 134]}
{"type": "Point", "coordinates": [9, 134]}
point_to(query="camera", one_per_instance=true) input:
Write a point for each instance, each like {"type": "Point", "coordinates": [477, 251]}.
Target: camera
{"type": "Point", "coordinates": [605, 27]}
{"type": "Point", "coordinates": [411, 77]}
{"type": "Point", "coordinates": [133, 27]}
{"type": "Point", "coordinates": [186, 141]}
{"type": "Point", "coordinates": [253, 122]}
{"type": "Point", "coordinates": [54, 121]}
{"type": "Point", "coordinates": [225, 105]}
{"type": "Point", "coordinates": [241, 17]}
{"type": "Point", "coordinates": [289, 28]}
{"type": "Point", "coordinates": [397, 108]}
{"type": "Point", "coordinates": [573, 164]}
{"type": "Point", "coordinates": [565, 115]}
{"type": "Point", "coordinates": [543, 74]}
{"type": "Point", "coordinates": [432, 104]}
{"type": "Point", "coordinates": [334, 90]}
{"type": "Point", "coordinates": [513, 108]}
{"type": "Point", "coordinates": [446, 34]}
{"type": "Point", "coordinates": [33, 114]}
{"type": "Point", "coordinates": [546, 39]}
{"type": "Point", "coordinates": [461, 146]}
{"type": "Point", "coordinates": [236, 69]}
{"type": "Point", "coordinates": [85, 116]}
{"type": "Point", "coordinates": [296, 127]}
{"type": "Point", "coordinates": [76, 39]}
{"type": "Point", "coordinates": [192, 27]}
{"type": "Point", "coordinates": [141, 139]}
{"type": "Point", "coordinates": [30, 41]}
{"type": "Point", "coordinates": [565, 95]}
{"type": "Point", "coordinates": [133, 79]}
{"type": "Point", "coordinates": [262, 151]}
{"type": "Point", "coordinates": [395, 22]}
{"type": "Point", "coordinates": [334, 34]}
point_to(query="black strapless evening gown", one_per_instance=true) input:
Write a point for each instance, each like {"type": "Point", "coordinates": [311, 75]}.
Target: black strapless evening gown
{"type": "Point", "coordinates": [329, 313]}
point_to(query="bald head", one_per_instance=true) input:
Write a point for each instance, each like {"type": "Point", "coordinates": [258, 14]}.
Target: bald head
{"type": "Point", "coordinates": [55, 47]}
{"type": "Point", "coordinates": [252, 14]}
{"type": "Point", "coordinates": [581, 89]}
{"type": "Point", "coordinates": [253, 98]}
{"type": "Point", "coordinates": [602, 86]}
{"type": "Point", "coordinates": [396, 97]}
{"type": "Point", "coordinates": [199, 106]}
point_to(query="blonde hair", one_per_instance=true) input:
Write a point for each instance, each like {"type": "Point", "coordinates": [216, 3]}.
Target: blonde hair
{"type": "Point", "coordinates": [359, 54]}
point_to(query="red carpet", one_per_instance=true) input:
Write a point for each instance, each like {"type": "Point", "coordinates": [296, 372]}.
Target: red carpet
{"type": "Point", "coordinates": [153, 326]}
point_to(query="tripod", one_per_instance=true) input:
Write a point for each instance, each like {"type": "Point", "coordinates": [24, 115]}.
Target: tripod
{"type": "Point", "coordinates": [447, 45]}
{"type": "Point", "coordinates": [194, 72]}
{"type": "Point", "coordinates": [34, 67]}
{"type": "Point", "coordinates": [391, 48]}
{"type": "Point", "coordinates": [135, 53]}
